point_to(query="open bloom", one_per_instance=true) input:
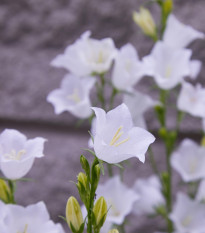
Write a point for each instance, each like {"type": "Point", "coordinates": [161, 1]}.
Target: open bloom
{"type": "Point", "coordinates": [87, 56]}
{"type": "Point", "coordinates": [127, 69]}
{"type": "Point", "coordinates": [192, 100]}
{"type": "Point", "coordinates": [119, 205]}
{"type": "Point", "coordinates": [188, 215]}
{"type": "Point", "coordinates": [73, 96]}
{"type": "Point", "coordinates": [143, 103]}
{"type": "Point", "coordinates": [167, 65]}
{"type": "Point", "coordinates": [17, 154]}
{"type": "Point", "coordinates": [179, 35]}
{"type": "Point", "coordinates": [189, 160]}
{"type": "Point", "coordinates": [33, 218]}
{"type": "Point", "coordinates": [150, 195]}
{"type": "Point", "coordinates": [116, 139]}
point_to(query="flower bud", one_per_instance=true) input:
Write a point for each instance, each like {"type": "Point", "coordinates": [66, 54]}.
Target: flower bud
{"type": "Point", "coordinates": [113, 231]}
{"type": "Point", "coordinates": [85, 165]}
{"type": "Point", "coordinates": [100, 211]}
{"type": "Point", "coordinates": [145, 21]}
{"type": "Point", "coordinates": [74, 215]}
{"type": "Point", "coordinates": [203, 141]}
{"type": "Point", "coordinates": [82, 178]}
{"type": "Point", "coordinates": [167, 7]}
{"type": "Point", "coordinates": [4, 191]}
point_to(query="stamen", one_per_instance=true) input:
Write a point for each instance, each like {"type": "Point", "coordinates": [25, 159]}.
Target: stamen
{"type": "Point", "coordinates": [75, 96]}
{"type": "Point", "coordinates": [119, 143]}
{"type": "Point", "coordinates": [100, 57]}
{"type": "Point", "coordinates": [168, 71]}
{"type": "Point", "coordinates": [25, 229]}
{"type": "Point", "coordinates": [116, 137]}
{"type": "Point", "coordinates": [13, 155]}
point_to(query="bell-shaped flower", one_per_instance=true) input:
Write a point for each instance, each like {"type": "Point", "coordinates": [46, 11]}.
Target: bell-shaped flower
{"type": "Point", "coordinates": [189, 161]}
{"type": "Point", "coordinates": [150, 195]}
{"type": "Point", "coordinates": [143, 103]}
{"type": "Point", "coordinates": [168, 66]}
{"type": "Point", "coordinates": [87, 56]}
{"type": "Point", "coordinates": [192, 100]}
{"type": "Point", "coordinates": [73, 96]}
{"type": "Point", "coordinates": [116, 139]}
{"type": "Point", "coordinates": [179, 35]}
{"type": "Point", "coordinates": [127, 69]}
{"type": "Point", "coordinates": [17, 154]}
{"type": "Point", "coordinates": [33, 218]}
{"type": "Point", "coordinates": [119, 206]}
{"type": "Point", "coordinates": [188, 215]}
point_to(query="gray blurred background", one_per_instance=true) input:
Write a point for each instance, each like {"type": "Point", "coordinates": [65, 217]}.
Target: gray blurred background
{"type": "Point", "coordinates": [32, 33]}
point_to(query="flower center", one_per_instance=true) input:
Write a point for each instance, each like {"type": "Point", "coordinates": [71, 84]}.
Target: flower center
{"type": "Point", "coordinates": [14, 155]}
{"type": "Point", "coordinates": [74, 96]}
{"type": "Point", "coordinates": [186, 221]}
{"type": "Point", "coordinates": [100, 57]}
{"type": "Point", "coordinates": [25, 229]}
{"type": "Point", "coordinates": [115, 140]}
{"type": "Point", "coordinates": [168, 71]}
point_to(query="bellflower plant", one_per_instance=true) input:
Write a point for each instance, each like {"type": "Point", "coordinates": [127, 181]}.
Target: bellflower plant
{"type": "Point", "coordinates": [119, 132]}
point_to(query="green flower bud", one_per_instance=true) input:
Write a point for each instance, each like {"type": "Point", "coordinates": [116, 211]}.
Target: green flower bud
{"type": "Point", "coordinates": [100, 211]}
{"type": "Point", "coordinates": [167, 7]}
{"type": "Point", "coordinates": [96, 176]}
{"type": "Point", "coordinates": [85, 165]}
{"type": "Point", "coordinates": [4, 191]}
{"type": "Point", "coordinates": [113, 231]}
{"type": "Point", "coordinates": [82, 178]}
{"type": "Point", "coordinates": [74, 215]}
{"type": "Point", "coordinates": [144, 20]}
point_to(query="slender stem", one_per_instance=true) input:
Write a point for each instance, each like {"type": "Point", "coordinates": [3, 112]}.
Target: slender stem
{"type": "Point", "coordinates": [100, 91]}
{"type": "Point", "coordinates": [110, 171]}
{"type": "Point", "coordinates": [153, 162]}
{"type": "Point", "coordinates": [12, 187]}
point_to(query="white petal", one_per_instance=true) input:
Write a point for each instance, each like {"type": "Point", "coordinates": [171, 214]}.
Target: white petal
{"type": "Point", "coordinates": [195, 67]}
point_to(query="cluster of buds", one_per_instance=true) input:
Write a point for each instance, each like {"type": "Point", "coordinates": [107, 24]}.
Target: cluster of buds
{"type": "Point", "coordinates": [96, 213]}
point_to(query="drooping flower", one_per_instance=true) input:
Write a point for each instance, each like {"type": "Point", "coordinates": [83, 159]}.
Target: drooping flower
{"type": "Point", "coordinates": [168, 66]}
{"type": "Point", "coordinates": [188, 215]}
{"type": "Point", "coordinates": [150, 195]}
{"type": "Point", "coordinates": [116, 139]}
{"type": "Point", "coordinates": [73, 96]}
{"type": "Point", "coordinates": [17, 154]}
{"type": "Point", "coordinates": [144, 20]}
{"type": "Point", "coordinates": [192, 100]}
{"type": "Point", "coordinates": [138, 104]}
{"type": "Point", "coordinates": [87, 56]}
{"type": "Point", "coordinates": [179, 35]}
{"type": "Point", "coordinates": [119, 205]}
{"type": "Point", "coordinates": [189, 160]}
{"type": "Point", "coordinates": [33, 218]}
{"type": "Point", "coordinates": [127, 69]}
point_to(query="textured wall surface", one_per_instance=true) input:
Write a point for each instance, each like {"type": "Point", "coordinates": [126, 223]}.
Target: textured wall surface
{"type": "Point", "coordinates": [32, 33]}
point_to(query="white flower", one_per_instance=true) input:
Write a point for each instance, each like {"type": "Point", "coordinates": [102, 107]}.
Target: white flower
{"type": "Point", "coordinates": [150, 196]}
{"type": "Point", "coordinates": [87, 56]}
{"type": "Point", "coordinates": [192, 100]}
{"type": "Point", "coordinates": [138, 104]}
{"type": "Point", "coordinates": [179, 35]}
{"type": "Point", "coordinates": [167, 65]}
{"type": "Point", "coordinates": [32, 219]}
{"type": "Point", "coordinates": [93, 132]}
{"type": "Point", "coordinates": [127, 69]}
{"type": "Point", "coordinates": [73, 96]}
{"type": "Point", "coordinates": [119, 198]}
{"type": "Point", "coordinates": [116, 139]}
{"type": "Point", "coordinates": [189, 160]}
{"type": "Point", "coordinates": [17, 154]}
{"type": "Point", "coordinates": [188, 215]}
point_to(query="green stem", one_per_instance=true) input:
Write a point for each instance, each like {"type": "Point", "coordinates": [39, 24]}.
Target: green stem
{"type": "Point", "coordinates": [100, 91]}
{"type": "Point", "coordinates": [153, 162]}
{"type": "Point", "coordinates": [12, 187]}
{"type": "Point", "coordinates": [110, 171]}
